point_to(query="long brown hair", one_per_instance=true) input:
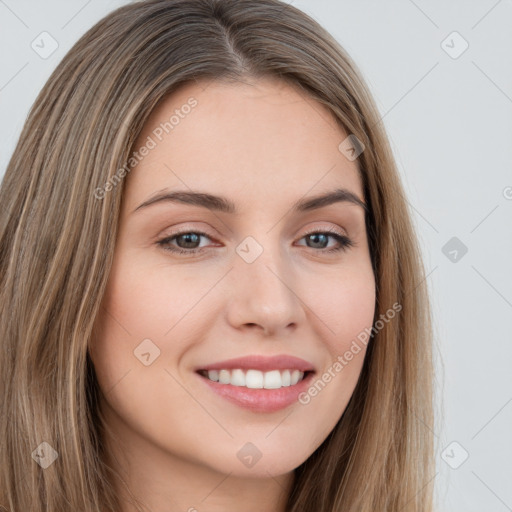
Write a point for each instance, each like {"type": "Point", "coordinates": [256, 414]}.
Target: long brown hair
{"type": "Point", "coordinates": [57, 241]}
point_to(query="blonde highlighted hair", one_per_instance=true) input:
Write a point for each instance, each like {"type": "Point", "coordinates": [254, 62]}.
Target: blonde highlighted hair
{"type": "Point", "coordinates": [57, 241]}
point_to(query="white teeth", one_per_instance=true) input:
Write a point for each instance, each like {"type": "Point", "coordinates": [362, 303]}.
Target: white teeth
{"type": "Point", "coordinates": [296, 375]}
{"type": "Point", "coordinates": [237, 378]}
{"type": "Point", "coordinates": [272, 380]}
{"type": "Point", "coordinates": [224, 377]}
{"type": "Point", "coordinates": [213, 375]}
{"type": "Point", "coordinates": [255, 379]}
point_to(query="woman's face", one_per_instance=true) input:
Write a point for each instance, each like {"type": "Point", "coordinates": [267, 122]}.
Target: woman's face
{"type": "Point", "coordinates": [261, 279]}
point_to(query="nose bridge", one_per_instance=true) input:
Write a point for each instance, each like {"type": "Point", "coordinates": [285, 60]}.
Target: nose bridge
{"type": "Point", "coordinates": [262, 292]}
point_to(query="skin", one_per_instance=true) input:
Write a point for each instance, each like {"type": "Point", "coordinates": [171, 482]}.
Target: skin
{"type": "Point", "coordinates": [263, 145]}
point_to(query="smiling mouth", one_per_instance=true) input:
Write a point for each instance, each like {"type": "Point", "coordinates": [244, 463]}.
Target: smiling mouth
{"type": "Point", "coordinates": [256, 379]}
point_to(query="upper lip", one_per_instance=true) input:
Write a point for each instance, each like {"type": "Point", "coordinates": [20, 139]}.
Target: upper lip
{"type": "Point", "coordinates": [262, 363]}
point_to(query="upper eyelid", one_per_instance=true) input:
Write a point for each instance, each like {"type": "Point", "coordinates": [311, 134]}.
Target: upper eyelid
{"type": "Point", "coordinates": [191, 229]}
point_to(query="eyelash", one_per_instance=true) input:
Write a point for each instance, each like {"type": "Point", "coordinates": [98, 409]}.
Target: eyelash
{"type": "Point", "coordinates": [344, 241]}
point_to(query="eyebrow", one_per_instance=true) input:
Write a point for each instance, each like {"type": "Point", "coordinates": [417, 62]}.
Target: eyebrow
{"type": "Point", "coordinates": [224, 205]}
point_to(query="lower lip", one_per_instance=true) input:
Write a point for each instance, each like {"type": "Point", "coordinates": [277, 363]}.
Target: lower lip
{"type": "Point", "coordinates": [260, 400]}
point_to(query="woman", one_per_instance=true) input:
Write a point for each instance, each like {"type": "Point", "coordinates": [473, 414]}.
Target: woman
{"type": "Point", "coordinates": [262, 370]}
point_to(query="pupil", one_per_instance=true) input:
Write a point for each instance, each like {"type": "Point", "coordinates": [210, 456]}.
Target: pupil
{"type": "Point", "coordinates": [187, 237]}
{"type": "Point", "coordinates": [316, 236]}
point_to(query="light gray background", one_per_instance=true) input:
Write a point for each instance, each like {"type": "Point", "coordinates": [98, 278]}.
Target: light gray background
{"type": "Point", "coordinates": [450, 125]}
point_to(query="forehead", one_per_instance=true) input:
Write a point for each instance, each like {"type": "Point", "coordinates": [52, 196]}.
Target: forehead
{"type": "Point", "coordinates": [264, 139]}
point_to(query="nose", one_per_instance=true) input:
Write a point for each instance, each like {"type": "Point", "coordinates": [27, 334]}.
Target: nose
{"type": "Point", "coordinates": [263, 295]}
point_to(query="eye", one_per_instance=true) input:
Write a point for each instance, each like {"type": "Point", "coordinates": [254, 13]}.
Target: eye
{"type": "Point", "coordinates": [319, 237]}
{"type": "Point", "coordinates": [187, 241]}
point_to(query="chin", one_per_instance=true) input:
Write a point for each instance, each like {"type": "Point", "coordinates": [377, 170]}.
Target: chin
{"type": "Point", "coordinates": [250, 462]}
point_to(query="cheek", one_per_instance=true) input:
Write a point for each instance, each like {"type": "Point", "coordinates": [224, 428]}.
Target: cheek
{"type": "Point", "coordinates": [139, 305]}
{"type": "Point", "coordinates": [344, 308]}
{"type": "Point", "coordinates": [146, 300]}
